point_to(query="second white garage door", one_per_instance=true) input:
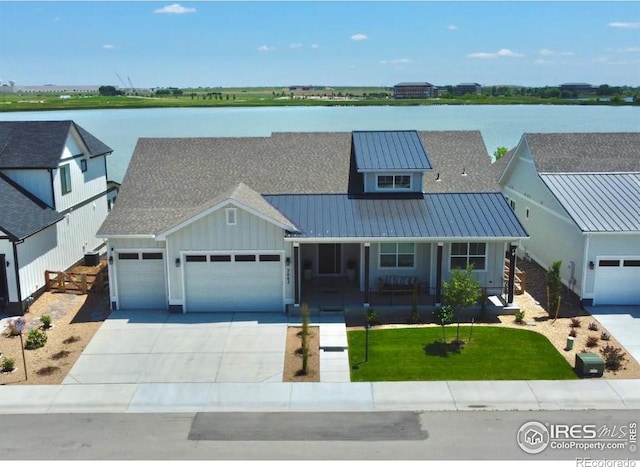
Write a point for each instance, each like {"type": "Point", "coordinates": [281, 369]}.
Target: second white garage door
{"type": "Point", "coordinates": [231, 282]}
{"type": "Point", "coordinates": [618, 281]}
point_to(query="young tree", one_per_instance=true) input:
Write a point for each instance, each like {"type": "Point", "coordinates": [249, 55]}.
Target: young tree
{"type": "Point", "coordinates": [461, 291]}
{"type": "Point", "coordinates": [444, 316]}
{"type": "Point", "coordinates": [554, 289]}
{"type": "Point", "coordinates": [499, 152]}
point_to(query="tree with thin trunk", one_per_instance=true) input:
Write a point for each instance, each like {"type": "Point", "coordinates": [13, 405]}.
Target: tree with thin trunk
{"type": "Point", "coordinates": [554, 289]}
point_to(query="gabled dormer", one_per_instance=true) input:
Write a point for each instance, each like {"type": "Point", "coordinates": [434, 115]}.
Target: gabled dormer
{"type": "Point", "coordinates": [388, 162]}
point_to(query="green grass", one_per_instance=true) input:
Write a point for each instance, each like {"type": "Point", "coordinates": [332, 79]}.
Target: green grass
{"type": "Point", "coordinates": [418, 354]}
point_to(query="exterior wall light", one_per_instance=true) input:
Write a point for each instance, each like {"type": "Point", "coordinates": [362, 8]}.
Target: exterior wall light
{"type": "Point", "coordinates": [111, 260]}
{"type": "Point", "coordinates": [591, 265]}
{"type": "Point", "coordinates": [287, 261]}
{"type": "Point", "coordinates": [177, 262]}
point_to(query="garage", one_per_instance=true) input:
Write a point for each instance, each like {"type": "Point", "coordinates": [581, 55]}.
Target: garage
{"type": "Point", "coordinates": [141, 281]}
{"type": "Point", "coordinates": [233, 282]}
{"type": "Point", "coordinates": [618, 281]}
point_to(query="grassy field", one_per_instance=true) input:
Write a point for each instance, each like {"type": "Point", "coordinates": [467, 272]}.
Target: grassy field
{"type": "Point", "coordinates": [253, 97]}
{"type": "Point", "coordinates": [418, 354]}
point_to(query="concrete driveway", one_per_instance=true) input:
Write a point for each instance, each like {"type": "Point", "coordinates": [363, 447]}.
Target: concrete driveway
{"type": "Point", "coordinates": [159, 347]}
{"type": "Point", "coordinates": [622, 322]}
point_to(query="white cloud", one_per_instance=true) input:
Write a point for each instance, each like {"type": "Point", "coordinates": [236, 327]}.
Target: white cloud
{"type": "Point", "coordinates": [624, 25]}
{"type": "Point", "coordinates": [295, 46]}
{"type": "Point", "coordinates": [266, 48]}
{"type": "Point", "coordinates": [452, 27]}
{"type": "Point", "coordinates": [175, 9]}
{"type": "Point", "coordinates": [108, 46]}
{"type": "Point", "coordinates": [630, 50]}
{"type": "Point", "coordinates": [359, 37]}
{"type": "Point", "coordinates": [500, 53]}
{"type": "Point", "coordinates": [554, 53]}
{"type": "Point", "coordinates": [315, 46]}
{"type": "Point", "coordinates": [542, 61]}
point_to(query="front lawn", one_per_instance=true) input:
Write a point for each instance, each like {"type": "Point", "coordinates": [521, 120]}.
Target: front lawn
{"type": "Point", "coordinates": [418, 354]}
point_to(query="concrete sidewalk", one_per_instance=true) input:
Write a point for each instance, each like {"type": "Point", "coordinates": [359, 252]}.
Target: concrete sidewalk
{"type": "Point", "coordinates": [322, 397]}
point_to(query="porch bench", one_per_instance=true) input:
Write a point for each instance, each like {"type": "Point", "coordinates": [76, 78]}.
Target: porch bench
{"type": "Point", "coordinates": [395, 284]}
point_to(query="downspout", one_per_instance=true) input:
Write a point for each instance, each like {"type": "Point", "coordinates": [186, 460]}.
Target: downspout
{"type": "Point", "coordinates": [17, 274]}
{"type": "Point", "coordinates": [585, 262]}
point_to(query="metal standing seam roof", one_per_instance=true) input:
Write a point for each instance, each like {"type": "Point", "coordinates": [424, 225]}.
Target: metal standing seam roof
{"type": "Point", "coordinates": [389, 150]}
{"type": "Point", "coordinates": [599, 202]}
{"type": "Point", "coordinates": [22, 215]}
{"type": "Point", "coordinates": [436, 215]}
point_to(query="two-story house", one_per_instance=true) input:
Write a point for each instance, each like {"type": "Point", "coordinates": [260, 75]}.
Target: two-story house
{"type": "Point", "coordinates": [53, 198]}
{"type": "Point", "coordinates": [263, 223]}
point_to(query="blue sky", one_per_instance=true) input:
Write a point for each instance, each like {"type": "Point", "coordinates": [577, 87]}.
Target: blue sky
{"type": "Point", "coordinates": [159, 44]}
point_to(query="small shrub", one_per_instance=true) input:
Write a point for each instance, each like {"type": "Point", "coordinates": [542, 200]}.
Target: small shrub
{"type": "Point", "coordinates": [47, 370]}
{"type": "Point", "coordinates": [592, 341]}
{"type": "Point", "coordinates": [573, 333]}
{"type": "Point", "coordinates": [12, 329]}
{"type": "Point", "coordinates": [605, 336]}
{"type": "Point", "coordinates": [71, 340]}
{"type": "Point", "coordinates": [46, 321]}
{"type": "Point", "coordinates": [8, 365]}
{"type": "Point", "coordinates": [593, 326]}
{"type": "Point", "coordinates": [613, 357]}
{"type": "Point", "coordinates": [519, 316]}
{"type": "Point", "coordinates": [61, 354]}
{"type": "Point", "coordinates": [35, 339]}
{"type": "Point", "coordinates": [372, 317]}
{"type": "Point", "coordinates": [575, 323]}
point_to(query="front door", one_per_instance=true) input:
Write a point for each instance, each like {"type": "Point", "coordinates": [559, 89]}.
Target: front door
{"type": "Point", "coordinates": [329, 258]}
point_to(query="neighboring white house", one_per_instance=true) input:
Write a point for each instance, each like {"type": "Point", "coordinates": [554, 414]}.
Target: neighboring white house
{"type": "Point", "coordinates": [578, 196]}
{"type": "Point", "coordinates": [53, 199]}
{"type": "Point", "coordinates": [229, 224]}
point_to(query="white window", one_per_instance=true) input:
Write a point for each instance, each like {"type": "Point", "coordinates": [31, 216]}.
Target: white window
{"type": "Point", "coordinates": [397, 255]}
{"type": "Point", "coordinates": [65, 179]}
{"type": "Point", "coordinates": [463, 254]}
{"type": "Point", "coordinates": [231, 216]}
{"type": "Point", "coordinates": [394, 182]}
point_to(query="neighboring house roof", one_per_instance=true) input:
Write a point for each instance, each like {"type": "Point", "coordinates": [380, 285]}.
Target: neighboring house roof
{"type": "Point", "coordinates": [22, 214]}
{"type": "Point", "coordinates": [170, 176]}
{"type": "Point", "coordinates": [389, 150]}
{"type": "Point", "coordinates": [441, 215]}
{"type": "Point", "coordinates": [40, 144]}
{"type": "Point", "coordinates": [599, 202]}
{"type": "Point", "coordinates": [584, 152]}
{"type": "Point", "coordinates": [418, 83]}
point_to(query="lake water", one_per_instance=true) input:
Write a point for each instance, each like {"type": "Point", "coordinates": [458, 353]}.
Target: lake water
{"type": "Point", "coordinates": [500, 125]}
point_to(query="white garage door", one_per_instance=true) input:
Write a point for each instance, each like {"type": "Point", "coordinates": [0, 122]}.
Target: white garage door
{"type": "Point", "coordinates": [233, 282]}
{"type": "Point", "coordinates": [141, 283]}
{"type": "Point", "coordinates": [618, 282]}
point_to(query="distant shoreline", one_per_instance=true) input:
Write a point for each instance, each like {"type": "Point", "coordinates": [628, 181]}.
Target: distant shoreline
{"type": "Point", "coordinates": [30, 103]}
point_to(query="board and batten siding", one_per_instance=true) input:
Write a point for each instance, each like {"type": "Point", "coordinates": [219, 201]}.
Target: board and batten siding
{"type": "Point", "coordinates": [211, 233]}
{"type": "Point", "coordinates": [610, 246]}
{"type": "Point", "coordinates": [59, 246]}
{"type": "Point", "coordinates": [6, 249]}
{"type": "Point", "coordinates": [553, 236]}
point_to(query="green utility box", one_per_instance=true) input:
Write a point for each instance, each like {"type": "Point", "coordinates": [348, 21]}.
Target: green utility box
{"type": "Point", "coordinates": [589, 365]}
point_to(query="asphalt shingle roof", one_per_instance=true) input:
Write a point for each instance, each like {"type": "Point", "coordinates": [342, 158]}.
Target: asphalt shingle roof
{"type": "Point", "coordinates": [39, 144]}
{"type": "Point", "coordinates": [168, 177]}
{"type": "Point", "coordinates": [22, 214]}
{"type": "Point", "coordinates": [584, 152]}
{"type": "Point", "coordinates": [599, 202]}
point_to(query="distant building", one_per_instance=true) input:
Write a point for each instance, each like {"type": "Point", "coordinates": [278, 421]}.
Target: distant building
{"type": "Point", "coordinates": [468, 88]}
{"type": "Point", "coordinates": [413, 91]}
{"type": "Point", "coordinates": [301, 88]}
{"type": "Point", "coordinates": [576, 87]}
{"type": "Point", "coordinates": [50, 88]}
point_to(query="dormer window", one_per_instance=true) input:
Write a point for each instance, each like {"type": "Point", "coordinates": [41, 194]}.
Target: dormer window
{"type": "Point", "coordinates": [394, 182]}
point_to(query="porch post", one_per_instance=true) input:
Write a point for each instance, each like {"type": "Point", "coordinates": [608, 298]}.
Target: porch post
{"type": "Point", "coordinates": [296, 274]}
{"type": "Point", "coordinates": [512, 273]}
{"type": "Point", "coordinates": [366, 273]}
{"type": "Point", "coordinates": [438, 297]}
